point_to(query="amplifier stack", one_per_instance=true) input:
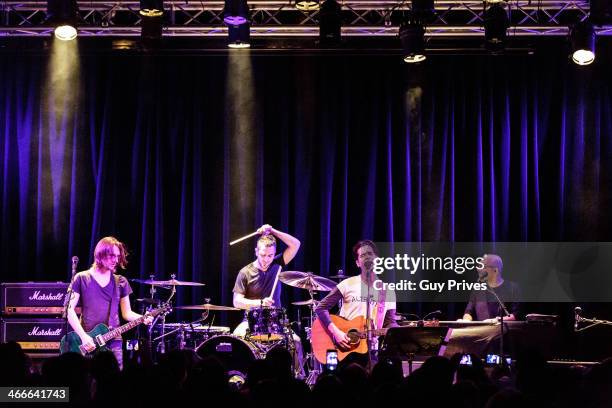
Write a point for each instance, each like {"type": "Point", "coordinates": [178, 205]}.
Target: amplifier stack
{"type": "Point", "coordinates": [32, 315]}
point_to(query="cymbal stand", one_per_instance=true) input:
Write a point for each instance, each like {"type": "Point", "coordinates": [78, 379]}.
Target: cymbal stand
{"type": "Point", "coordinates": [310, 362]}
{"type": "Point", "coordinates": [150, 328]}
{"type": "Point", "coordinates": [161, 347]}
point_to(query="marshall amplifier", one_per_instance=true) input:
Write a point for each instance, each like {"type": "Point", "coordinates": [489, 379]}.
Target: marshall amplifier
{"type": "Point", "coordinates": [34, 335]}
{"type": "Point", "coordinates": [33, 298]}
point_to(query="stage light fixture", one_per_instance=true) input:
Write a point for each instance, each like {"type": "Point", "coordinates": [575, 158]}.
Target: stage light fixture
{"type": "Point", "coordinates": [496, 25]}
{"type": "Point", "coordinates": [151, 19]}
{"type": "Point", "coordinates": [307, 5]}
{"type": "Point", "coordinates": [412, 37]}
{"type": "Point", "coordinates": [330, 23]}
{"type": "Point", "coordinates": [63, 15]}
{"type": "Point", "coordinates": [236, 12]}
{"type": "Point", "coordinates": [239, 36]}
{"type": "Point", "coordinates": [582, 38]}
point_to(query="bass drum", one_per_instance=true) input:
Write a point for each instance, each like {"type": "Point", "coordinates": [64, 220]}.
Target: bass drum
{"type": "Point", "coordinates": [236, 354]}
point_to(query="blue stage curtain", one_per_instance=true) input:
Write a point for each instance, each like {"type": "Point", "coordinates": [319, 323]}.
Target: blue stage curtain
{"type": "Point", "coordinates": [177, 156]}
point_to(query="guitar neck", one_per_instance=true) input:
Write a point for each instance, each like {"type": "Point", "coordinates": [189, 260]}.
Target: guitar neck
{"type": "Point", "coordinates": [122, 329]}
{"type": "Point", "coordinates": [375, 333]}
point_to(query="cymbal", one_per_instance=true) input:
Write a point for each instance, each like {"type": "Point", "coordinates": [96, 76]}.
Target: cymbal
{"type": "Point", "coordinates": [341, 277]}
{"type": "Point", "coordinates": [171, 282]}
{"type": "Point", "coordinates": [207, 306]}
{"type": "Point", "coordinates": [306, 302]}
{"type": "Point", "coordinates": [306, 280]}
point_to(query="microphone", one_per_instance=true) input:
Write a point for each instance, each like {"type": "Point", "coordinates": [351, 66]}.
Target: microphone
{"type": "Point", "coordinates": [577, 312]}
{"type": "Point", "coordinates": [75, 262]}
{"type": "Point", "coordinates": [431, 313]}
{"type": "Point", "coordinates": [482, 277]}
{"type": "Point", "coordinates": [68, 295]}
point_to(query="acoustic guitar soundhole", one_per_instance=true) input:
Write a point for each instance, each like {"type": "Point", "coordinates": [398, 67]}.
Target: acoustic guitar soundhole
{"type": "Point", "coordinates": [353, 336]}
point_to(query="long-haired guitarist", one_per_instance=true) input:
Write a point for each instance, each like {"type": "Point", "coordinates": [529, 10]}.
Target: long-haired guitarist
{"type": "Point", "coordinates": [102, 292]}
{"type": "Point", "coordinates": [352, 292]}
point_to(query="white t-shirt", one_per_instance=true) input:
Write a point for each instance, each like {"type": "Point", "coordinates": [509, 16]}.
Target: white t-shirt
{"type": "Point", "coordinates": [354, 295]}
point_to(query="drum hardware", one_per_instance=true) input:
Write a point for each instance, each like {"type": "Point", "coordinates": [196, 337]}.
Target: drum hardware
{"type": "Point", "coordinates": [340, 275]}
{"type": "Point", "coordinates": [306, 302]}
{"type": "Point", "coordinates": [181, 336]}
{"type": "Point", "coordinates": [170, 284]}
{"type": "Point", "coordinates": [312, 283]}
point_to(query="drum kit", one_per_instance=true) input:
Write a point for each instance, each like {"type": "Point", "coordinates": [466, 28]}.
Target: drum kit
{"type": "Point", "coordinates": [268, 327]}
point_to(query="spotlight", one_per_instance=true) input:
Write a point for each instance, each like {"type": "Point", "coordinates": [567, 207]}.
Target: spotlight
{"type": "Point", "coordinates": [496, 24]}
{"type": "Point", "coordinates": [412, 36]}
{"type": "Point", "coordinates": [151, 16]}
{"type": "Point", "coordinates": [307, 5]}
{"type": "Point", "coordinates": [582, 37]}
{"type": "Point", "coordinates": [330, 23]}
{"type": "Point", "coordinates": [239, 36]}
{"type": "Point", "coordinates": [63, 15]}
{"type": "Point", "coordinates": [235, 12]}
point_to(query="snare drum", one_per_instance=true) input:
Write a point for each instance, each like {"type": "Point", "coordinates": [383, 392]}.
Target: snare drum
{"type": "Point", "coordinates": [266, 323]}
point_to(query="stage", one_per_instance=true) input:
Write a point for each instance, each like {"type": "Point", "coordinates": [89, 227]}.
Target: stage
{"type": "Point", "coordinates": [237, 183]}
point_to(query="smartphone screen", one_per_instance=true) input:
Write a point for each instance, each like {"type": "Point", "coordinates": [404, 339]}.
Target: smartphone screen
{"type": "Point", "coordinates": [331, 360]}
{"type": "Point", "coordinates": [493, 359]}
{"type": "Point", "coordinates": [466, 359]}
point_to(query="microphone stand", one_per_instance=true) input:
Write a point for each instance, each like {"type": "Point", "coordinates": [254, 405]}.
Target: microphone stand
{"type": "Point", "coordinates": [369, 319]}
{"type": "Point", "coordinates": [504, 312]}
{"type": "Point", "coordinates": [68, 295]}
{"type": "Point", "coordinates": [593, 322]}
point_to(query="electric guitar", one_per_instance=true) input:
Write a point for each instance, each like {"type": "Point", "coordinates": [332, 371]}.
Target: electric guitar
{"type": "Point", "coordinates": [102, 334]}
{"type": "Point", "coordinates": [322, 340]}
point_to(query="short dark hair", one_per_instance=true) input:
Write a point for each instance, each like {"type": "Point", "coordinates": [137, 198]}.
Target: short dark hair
{"type": "Point", "coordinates": [362, 243]}
{"type": "Point", "coordinates": [267, 240]}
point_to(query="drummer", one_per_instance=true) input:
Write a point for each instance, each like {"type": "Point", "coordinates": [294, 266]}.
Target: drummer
{"type": "Point", "coordinates": [254, 283]}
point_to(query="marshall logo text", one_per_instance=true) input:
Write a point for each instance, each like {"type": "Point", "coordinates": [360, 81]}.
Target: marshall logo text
{"type": "Point", "coordinates": [46, 296]}
{"type": "Point", "coordinates": [36, 331]}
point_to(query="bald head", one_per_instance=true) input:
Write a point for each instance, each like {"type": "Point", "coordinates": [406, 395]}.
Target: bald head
{"type": "Point", "coordinates": [493, 261]}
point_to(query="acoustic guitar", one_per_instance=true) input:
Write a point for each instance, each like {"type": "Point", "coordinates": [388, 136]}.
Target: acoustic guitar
{"type": "Point", "coordinates": [322, 340]}
{"type": "Point", "coordinates": [102, 334]}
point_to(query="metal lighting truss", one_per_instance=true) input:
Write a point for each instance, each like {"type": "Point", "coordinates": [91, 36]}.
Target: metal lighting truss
{"type": "Point", "coordinates": [278, 18]}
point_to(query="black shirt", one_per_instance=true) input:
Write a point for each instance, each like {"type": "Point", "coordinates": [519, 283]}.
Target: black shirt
{"type": "Point", "coordinates": [254, 283]}
{"type": "Point", "coordinates": [483, 305]}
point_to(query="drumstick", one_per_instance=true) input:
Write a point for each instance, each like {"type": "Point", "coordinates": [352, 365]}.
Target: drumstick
{"type": "Point", "coordinates": [243, 238]}
{"type": "Point", "coordinates": [275, 282]}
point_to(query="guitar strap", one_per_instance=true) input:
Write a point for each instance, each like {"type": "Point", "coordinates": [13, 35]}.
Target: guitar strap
{"type": "Point", "coordinates": [114, 299]}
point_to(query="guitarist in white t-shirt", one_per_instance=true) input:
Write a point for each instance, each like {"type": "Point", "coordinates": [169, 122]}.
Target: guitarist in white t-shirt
{"type": "Point", "coordinates": [352, 292]}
